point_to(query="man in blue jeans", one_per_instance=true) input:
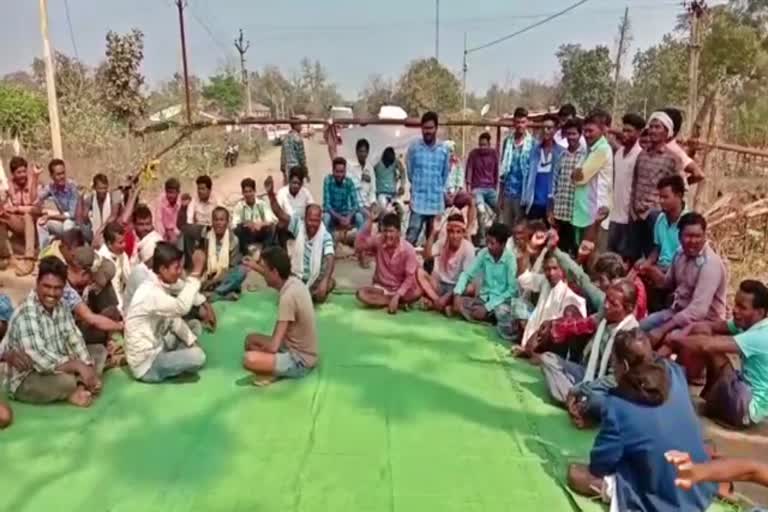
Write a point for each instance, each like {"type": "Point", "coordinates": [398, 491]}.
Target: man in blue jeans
{"type": "Point", "coordinates": [341, 205]}
{"type": "Point", "coordinates": [428, 163]}
{"type": "Point", "coordinates": [159, 345]}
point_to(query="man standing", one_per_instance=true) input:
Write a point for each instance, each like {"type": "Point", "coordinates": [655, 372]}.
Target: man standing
{"type": "Point", "coordinates": [652, 165]}
{"type": "Point", "coordinates": [592, 196]}
{"type": "Point", "coordinates": [290, 352]}
{"type": "Point", "coordinates": [65, 197]}
{"type": "Point", "coordinates": [537, 183]}
{"type": "Point", "coordinates": [253, 221]}
{"type": "Point", "coordinates": [340, 200]}
{"type": "Point", "coordinates": [361, 174]}
{"type": "Point", "coordinates": [483, 172]}
{"type": "Point", "coordinates": [564, 188]}
{"type": "Point", "coordinates": [515, 163]}
{"type": "Point", "coordinates": [63, 368]}
{"type": "Point", "coordinates": [428, 163]}
{"type": "Point", "coordinates": [292, 152]}
{"type": "Point", "coordinates": [688, 168]}
{"type": "Point", "coordinates": [567, 113]}
{"type": "Point", "coordinates": [18, 213]}
{"type": "Point", "coordinates": [623, 171]}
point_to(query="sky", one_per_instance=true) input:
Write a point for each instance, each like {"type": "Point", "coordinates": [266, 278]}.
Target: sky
{"type": "Point", "coordinates": [351, 38]}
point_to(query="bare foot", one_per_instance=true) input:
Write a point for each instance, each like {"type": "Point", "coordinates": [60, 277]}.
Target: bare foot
{"type": "Point", "coordinates": [81, 397]}
{"type": "Point", "coordinates": [520, 352]}
{"type": "Point", "coordinates": [448, 311]}
{"type": "Point", "coordinates": [262, 382]}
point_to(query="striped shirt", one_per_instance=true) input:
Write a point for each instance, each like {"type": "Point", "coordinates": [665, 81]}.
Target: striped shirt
{"type": "Point", "coordinates": [244, 213]}
{"type": "Point", "coordinates": [341, 199]}
{"type": "Point", "coordinates": [428, 168]}
{"type": "Point", "coordinates": [292, 152]}
{"type": "Point", "coordinates": [50, 339]}
{"type": "Point", "coordinates": [564, 187]}
{"type": "Point", "coordinates": [650, 167]}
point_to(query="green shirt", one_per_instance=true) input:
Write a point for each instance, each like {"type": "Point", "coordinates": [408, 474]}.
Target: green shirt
{"type": "Point", "coordinates": [753, 344]}
{"type": "Point", "coordinates": [499, 278]}
{"type": "Point", "coordinates": [666, 237]}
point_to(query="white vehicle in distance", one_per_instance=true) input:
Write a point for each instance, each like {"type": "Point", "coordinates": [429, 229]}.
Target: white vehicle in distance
{"type": "Point", "coordinates": [392, 112]}
{"type": "Point", "coordinates": [342, 113]}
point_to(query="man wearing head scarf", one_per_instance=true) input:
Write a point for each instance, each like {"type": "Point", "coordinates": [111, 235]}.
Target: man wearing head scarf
{"type": "Point", "coordinates": [652, 165]}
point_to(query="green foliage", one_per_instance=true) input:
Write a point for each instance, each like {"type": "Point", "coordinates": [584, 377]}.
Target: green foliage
{"type": "Point", "coordinates": [586, 76]}
{"type": "Point", "coordinates": [21, 111]}
{"type": "Point", "coordinates": [660, 76]}
{"type": "Point", "coordinates": [225, 92]}
{"type": "Point", "coordinates": [120, 77]}
{"type": "Point", "coordinates": [428, 85]}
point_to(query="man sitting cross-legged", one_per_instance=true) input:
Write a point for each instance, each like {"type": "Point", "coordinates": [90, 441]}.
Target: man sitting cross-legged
{"type": "Point", "coordinates": [698, 282]}
{"type": "Point", "coordinates": [450, 258]}
{"type": "Point", "coordinates": [224, 273]}
{"type": "Point", "coordinates": [291, 350]}
{"type": "Point", "coordinates": [582, 386]}
{"type": "Point", "coordinates": [252, 219]}
{"type": "Point", "coordinates": [740, 399]}
{"type": "Point", "coordinates": [63, 367]}
{"type": "Point", "coordinates": [158, 343]}
{"type": "Point", "coordinates": [6, 311]}
{"type": "Point", "coordinates": [394, 279]}
{"type": "Point", "coordinates": [312, 254]}
{"type": "Point", "coordinates": [498, 268]}
{"type": "Point", "coordinates": [341, 204]}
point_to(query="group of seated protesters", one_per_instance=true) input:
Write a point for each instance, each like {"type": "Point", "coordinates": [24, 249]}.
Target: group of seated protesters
{"type": "Point", "coordinates": [618, 335]}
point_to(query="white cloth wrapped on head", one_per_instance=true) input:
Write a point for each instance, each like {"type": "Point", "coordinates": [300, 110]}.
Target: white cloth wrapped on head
{"type": "Point", "coordinates": [664, 119]}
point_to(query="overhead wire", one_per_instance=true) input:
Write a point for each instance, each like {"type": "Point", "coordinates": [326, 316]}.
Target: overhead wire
{"type": "Point", "coordinates": [71, 30]}
{"type": "Point", "coordinates": [225, 48]}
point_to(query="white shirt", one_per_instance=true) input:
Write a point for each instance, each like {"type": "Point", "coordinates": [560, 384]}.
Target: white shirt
{"type": "Point", "coordinates": [122, 271]}
{"type": "Point", "coordinates": [151, 308]}
{"type": "Point", "coordinates": [561, 141]}
{"type": "Point", "coordinates": [294, 205]}
{"type": "Point", "coordinates": [366, 190]}
{"type": "Point", "coordinates": [623, 172]}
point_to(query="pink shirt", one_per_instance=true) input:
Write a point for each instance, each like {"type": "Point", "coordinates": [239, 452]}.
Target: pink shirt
{"type": "Point", "coordinates": [165, 218]}
{"type": "Point", "coordinates": [448, 268]}
{"type": "Point", "coordinates": [395, 270]}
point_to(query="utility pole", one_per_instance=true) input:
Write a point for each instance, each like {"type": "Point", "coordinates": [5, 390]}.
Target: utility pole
{"type": "Point", "coordinates": [623, 43]}
{"type": "Point", "coordinates": [50, 83]}
{"type": "Point", "coordinates": [464, 97]}
{"type": "Point", "coordinates": [696, 10]}
{"type": "Point", "coordinates": [242, 47]}
{"type": "Point", "coordinates": [437, 30]}
{"type": "Point", "coordinates": [180, 4]}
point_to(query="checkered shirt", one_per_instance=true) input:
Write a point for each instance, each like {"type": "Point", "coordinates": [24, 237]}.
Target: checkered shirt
{"type": "Point", "coordinates": [342, 199]}
{"type": "Point", "coordinates": [564, 186]}
{"type": "Point", "coordinates": [428, 168]}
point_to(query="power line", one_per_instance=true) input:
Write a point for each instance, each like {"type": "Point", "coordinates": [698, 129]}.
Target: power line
{"type": "Point", "coordinates": [216, 41]}
{"type": "Point", "coordinates": [71, 31]}
{"type": "Point", "coordinates": [529, 27]}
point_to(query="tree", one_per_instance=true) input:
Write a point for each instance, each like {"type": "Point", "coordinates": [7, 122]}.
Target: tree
{"type": "Point", "coordinates": [586, 76]}
{"type": "Point", "coordinates": [272, 89]}
{"type": "Point", "coordinates": [313, 92]}
{"type": "Point", "coordinates": [21, 111]}
{"type": "Point", "coordinates": [171, 92]}
{"type": "Point", "coordinates": [376, 92]}
{"type": "Point", "coordinates": [535, 95]}
{"type": "Point", "coordinates": [660, 76]}
{"type": "Point", "coordinates": [427, 85]}
{"type": "Point", "coordinates": [120, 77]}
{"type": "Point", "coordinates": [225, 92]}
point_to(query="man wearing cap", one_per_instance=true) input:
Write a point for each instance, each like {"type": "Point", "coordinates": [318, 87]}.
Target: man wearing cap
{"type": "Point", "coordinates": [89, 276]}
{"type": "Point", "coordinates": [652, 165]}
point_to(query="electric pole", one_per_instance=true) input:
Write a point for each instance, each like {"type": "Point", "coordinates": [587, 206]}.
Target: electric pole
{"type": "Point", "coordinates": [242, 47]}
{"type": "Point", "coordinates": [50, 83]}
{"type": "Point", "coordinates": [696, 10]}
{"type": "Point", "coordinates": [180, 4]}
{"type": "Point", "coordinates": [623, 44]}
{"type": "Point", "coordinates": [464, 97]}
{"type": "Point", "coordinates": [437, 30]}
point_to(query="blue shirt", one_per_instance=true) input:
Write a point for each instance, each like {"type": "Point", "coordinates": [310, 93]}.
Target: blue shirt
{"type": "Point", "coordinates": [65, 198]}
{"type": "Point", "coordinates": [631, 444]}
{"type": "Point", "coordinates": [515, 163]}
{"type": "Point", "coordinates": [537, 185]}
{"type": "Point", "coordinates": [428, 168]}
{"type": "Point", "coordinates": [499, 278]}
{"type": "Point", "coordinates": [753, 344]}
{"type": "Point", "coordinates": [70, 298]}
{"type": "Point", "coordinates": [666, 237]}
{"type": "Point", "coordinates": [341, 199]}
